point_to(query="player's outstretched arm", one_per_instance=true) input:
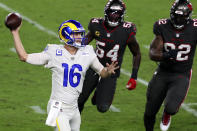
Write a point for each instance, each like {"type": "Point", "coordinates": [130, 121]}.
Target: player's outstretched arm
{"type": "Point", "coordinates": [104, 71]}
{"type": "Point", "coordinates": [109, 69]}
{"type": "Point", "coordinates": [18, 45]}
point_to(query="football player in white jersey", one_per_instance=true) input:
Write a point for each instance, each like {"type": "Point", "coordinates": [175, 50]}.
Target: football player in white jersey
{"type": "Point", "coordinates": [68, 64]}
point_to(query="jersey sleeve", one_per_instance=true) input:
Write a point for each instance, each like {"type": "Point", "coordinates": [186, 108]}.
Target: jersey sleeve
{"type": "Point", "coordinates": [49, 51]}
{"type": "Point", "coordinates": [96, 66]}
{"type": "Point", "coordinates": [93, 23]}
{"type": "Point", "coordinates": [41, 58]}
{"type": "Point", "coordinates": [38, 58]}
{"type": "Point", "coordinates": [132, 30]}
{"type": "Point", "coordinates": [156, 28]}
{"type": "Point", "coordinates": [90, 25]}
{"type": "Point", "coordinates": [92, 52]}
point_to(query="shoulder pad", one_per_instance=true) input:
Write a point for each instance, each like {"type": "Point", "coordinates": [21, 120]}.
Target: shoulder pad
{"type": "Point", "coordinates": [88, 47]}
{"type": "Point", "coordinates": [96, 20]}
{"type": "Point", "coordinates": [161, 21]}
{"type": "Point", "coordinates": [51, 46]}
{"type": "Point", "coordinates": [128, 25]}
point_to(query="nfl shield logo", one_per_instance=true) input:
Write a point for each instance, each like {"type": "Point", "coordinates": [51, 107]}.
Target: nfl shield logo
{"type": "Point", "coordinates": [177, 35]}
{"type": "Point", "coordinates": [108, 34]}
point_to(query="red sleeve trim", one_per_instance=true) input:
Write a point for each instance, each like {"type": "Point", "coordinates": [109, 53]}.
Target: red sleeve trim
{"type": "Point", "coordinates": [132, 33]}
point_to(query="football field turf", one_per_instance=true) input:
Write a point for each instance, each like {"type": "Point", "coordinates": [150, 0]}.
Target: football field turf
{"type": "Point", "coordinates": [23, 85]}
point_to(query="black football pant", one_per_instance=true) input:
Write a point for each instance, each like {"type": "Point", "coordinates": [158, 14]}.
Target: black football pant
{"type": "Point", "coordinates": [103, 95]}
{"type": "Point", "coordinates": [171, 87]}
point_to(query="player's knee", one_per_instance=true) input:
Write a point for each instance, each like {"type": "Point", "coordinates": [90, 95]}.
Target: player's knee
{"type": "Point", "coordinates": [171, 110]}
{"type": "Point", "coordinates": [103, 108]}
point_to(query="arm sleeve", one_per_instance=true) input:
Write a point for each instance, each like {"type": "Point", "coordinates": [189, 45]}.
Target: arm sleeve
{"type": "Point", "coordinates": [132, 32]}
{"type": "Point", "coordinates": [38, 58]}
{"type": "Point", "coordinates": [97, 66]}
{"type": "Point", "coordinates": [156, 29]}
{"type": "Point", "coordinates": [90, 26]}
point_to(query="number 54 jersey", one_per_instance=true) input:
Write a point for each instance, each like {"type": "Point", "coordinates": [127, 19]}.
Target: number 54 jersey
{"type": "Point", "coordinates": [111, 43]}
{"type": "Point", "coordinates": [68, 71]}
{"type": "Point", "coordinates": [184, 41]}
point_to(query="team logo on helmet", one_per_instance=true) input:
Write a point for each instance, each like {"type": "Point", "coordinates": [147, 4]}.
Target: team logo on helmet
{"type": "Point", "coordinates": [67, 30]}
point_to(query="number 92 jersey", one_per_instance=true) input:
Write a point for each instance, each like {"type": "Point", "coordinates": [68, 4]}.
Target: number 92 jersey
{"type": "Point", "coordinates": [111, 44]}
{"type": "Point", "coordinates": [68, 71]}
{"type": "Point", "coordinates": [184, 40]}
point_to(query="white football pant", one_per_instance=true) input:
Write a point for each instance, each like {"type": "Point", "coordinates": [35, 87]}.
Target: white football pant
{"type": "Point", "coordinates": [68, 118]}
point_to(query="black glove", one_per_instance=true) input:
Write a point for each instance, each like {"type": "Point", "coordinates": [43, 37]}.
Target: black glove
{"type": "Point", "coordinates": [171, 54]}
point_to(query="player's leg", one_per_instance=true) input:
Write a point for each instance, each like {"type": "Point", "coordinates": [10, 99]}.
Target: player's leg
{"type": "Point", "coordinates": [75, 122]}
{"type": "Point", "coordinates": [62, 123]}
{"type": "Point", "coordinates": [90, 82]}
{"type": "Point", "coordinates": [104, 93]}
{"type": "Point", "coordinates": [178, 88]}
{"type": "Point", "coordinates": [177, 93]}
{"type": "Point", "coordinates": [156, 93]}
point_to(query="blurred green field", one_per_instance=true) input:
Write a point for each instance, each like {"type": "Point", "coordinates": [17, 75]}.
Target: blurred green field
{"type": "Point", "coordinates": [23, 85]}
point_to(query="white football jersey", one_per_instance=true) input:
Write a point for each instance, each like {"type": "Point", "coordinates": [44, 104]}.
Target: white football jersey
{"type": "Point", "coordinates": [68, 71]}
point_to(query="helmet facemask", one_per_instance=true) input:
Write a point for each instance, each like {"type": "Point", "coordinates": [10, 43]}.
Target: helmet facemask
{"type": "Point", "coordinates": [114, 13]}
{"type": "Point", "coordinates": [77, 38]}
{"type": "Point", "coordinates": [180, 14]}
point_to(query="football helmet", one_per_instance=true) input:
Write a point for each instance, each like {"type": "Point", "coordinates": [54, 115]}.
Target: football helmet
{"type": "Point", "coordinates": [114, 12]}
{"type": "Point", "coordinates": [67, 31]}
{"type": "Point", "coordinates": [180, 13]}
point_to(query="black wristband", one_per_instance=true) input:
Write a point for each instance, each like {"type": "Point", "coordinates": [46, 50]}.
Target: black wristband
{"type": "Point", "coordinates": [134, 73]}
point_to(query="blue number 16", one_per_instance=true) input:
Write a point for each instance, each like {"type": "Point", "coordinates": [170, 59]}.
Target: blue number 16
{"type": "Point", "coordinates": [70, 75]}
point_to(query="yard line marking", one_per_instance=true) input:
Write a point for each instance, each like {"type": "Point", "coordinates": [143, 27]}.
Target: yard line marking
{"type": "Point", "coordinates": [38, 109]}
{"type": "Point", "coordinates": [191, 104]}
{"type": "Point", "coordinates": [123, 71]}
{"type": "Point", "coordinates": [42, 28]}
{"type": "Point", "coordinates": [146, 46]}
{"type": "Point", "coordinates": [188, 109]}
{"type": "Point", "coordinates": [114, 109]}
{"type": "Point", "coordinates": [13, 50]}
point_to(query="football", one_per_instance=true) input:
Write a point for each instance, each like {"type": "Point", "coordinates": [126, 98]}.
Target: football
{"type": "Point", "coordinates": [13, 20]}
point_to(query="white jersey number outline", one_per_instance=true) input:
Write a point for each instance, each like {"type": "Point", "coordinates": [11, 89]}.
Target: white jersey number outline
{"type": "Point", "coordinates": [184, 50]}
{"type": "Point", "coordinates": [113, 53]}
